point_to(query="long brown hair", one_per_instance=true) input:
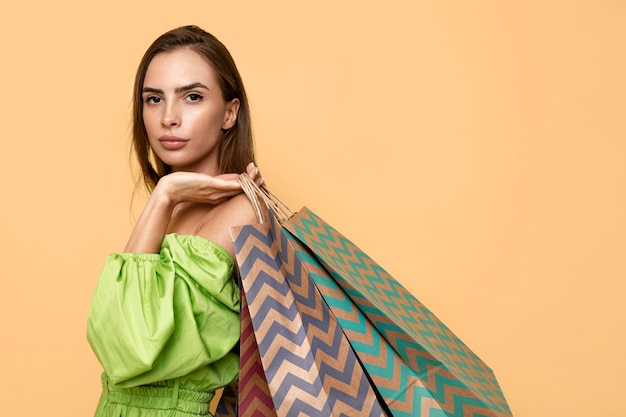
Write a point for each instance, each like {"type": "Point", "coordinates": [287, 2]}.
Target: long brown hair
{"type": "Point", "coordinates": [236, 148]}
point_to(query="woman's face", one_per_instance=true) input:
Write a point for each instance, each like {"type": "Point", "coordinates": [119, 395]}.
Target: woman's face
{"type": "Point", "coordinates": [184, 111]}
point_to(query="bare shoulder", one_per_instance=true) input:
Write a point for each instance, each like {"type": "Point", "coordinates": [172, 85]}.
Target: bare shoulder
{"type": "Point", "coordinates": [236, 211]}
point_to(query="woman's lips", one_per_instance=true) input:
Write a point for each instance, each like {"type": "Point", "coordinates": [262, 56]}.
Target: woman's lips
{"type": "Point", "coordinates": [172, 143]}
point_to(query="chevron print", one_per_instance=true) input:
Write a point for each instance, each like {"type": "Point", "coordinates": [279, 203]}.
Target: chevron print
{"type": "Point", "coordinates": [438, 362]}
{"type": "Point", "coordinates": [310, 368]}
{"type": "Point", "coordinates": [255, 399]}
{"type": "Point", "coordinates": [397, 383]}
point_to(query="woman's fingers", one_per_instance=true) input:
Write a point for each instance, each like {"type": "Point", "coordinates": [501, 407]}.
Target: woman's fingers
{"type": "Point", "coordinates": [253, 171]}
{"type": "Point", "coordinates": [229, 177]}
{"type": "Point", "coordinates": [197, 187]}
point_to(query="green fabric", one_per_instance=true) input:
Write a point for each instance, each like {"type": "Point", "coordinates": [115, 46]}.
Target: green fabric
{"type": "Point", "coordinates": [165, 320]}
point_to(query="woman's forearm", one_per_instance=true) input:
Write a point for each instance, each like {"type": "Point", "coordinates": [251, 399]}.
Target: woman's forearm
{"type": "Point", "coordinates": [148, 233]}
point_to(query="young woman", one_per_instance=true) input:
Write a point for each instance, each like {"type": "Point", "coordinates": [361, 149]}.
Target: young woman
{"type": "Point", "coordinates": [164, 320]}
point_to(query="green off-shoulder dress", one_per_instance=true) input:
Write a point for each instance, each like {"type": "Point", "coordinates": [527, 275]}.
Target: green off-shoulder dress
{"type": "Point", "coordinates": [165, 328]}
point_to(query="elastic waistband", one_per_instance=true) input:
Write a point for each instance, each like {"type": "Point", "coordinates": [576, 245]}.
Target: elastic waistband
{"type": "Point", "coordinates": [159, 398]}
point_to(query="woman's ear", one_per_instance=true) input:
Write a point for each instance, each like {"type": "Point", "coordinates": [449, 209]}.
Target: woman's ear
{"type": "Point", "coordinates": [230, 115]}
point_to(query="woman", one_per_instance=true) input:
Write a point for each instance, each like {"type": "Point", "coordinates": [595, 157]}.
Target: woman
{"type": "Point", "coordinates": [164, 320]}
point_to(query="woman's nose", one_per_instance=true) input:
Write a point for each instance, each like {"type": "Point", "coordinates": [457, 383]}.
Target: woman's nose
{"type": "Point", "coordinates": [170, 116]}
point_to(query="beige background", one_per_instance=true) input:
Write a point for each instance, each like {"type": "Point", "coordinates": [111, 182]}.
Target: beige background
{"type": "Point", "coordinates": [475, 149]}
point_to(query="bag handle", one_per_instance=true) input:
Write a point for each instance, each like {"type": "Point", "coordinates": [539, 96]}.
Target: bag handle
{"type": "Point", "coordinates": [263, 200]}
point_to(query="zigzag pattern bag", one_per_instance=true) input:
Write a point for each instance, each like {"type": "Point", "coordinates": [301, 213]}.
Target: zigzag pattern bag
{"type": "Point", "coordinates": [336, 335]}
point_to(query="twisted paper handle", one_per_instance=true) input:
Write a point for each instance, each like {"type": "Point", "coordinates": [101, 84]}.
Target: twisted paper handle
{"type": "Point", "coordinates": [263, 199]}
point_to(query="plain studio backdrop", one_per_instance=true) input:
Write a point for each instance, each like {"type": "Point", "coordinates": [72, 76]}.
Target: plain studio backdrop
{"type": "Point", "coordinates": [476, 150]}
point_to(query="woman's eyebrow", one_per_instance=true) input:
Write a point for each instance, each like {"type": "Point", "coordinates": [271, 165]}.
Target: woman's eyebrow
{"type": "Point", "coordinates": [151, 90]}
{"type": "Point", "coordinates": [191, 87]}
{"type": "Point", "coordinates": [178, 90]}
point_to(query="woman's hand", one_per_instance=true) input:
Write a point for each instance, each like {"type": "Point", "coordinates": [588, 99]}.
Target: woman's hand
{"type": "Point", "coordinates": [193, 187]}
{"type": "Point", "coordinates": [176, 188]}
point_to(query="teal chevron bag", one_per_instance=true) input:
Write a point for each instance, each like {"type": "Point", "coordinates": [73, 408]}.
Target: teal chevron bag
{"type": "Point", "coordinates": [418, 365]}
{"type": "Point", "coordinates": [415, 365]}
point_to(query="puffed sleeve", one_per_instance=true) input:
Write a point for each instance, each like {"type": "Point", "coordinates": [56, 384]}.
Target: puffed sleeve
{"type": "Point", "coordinates": [159, 316]}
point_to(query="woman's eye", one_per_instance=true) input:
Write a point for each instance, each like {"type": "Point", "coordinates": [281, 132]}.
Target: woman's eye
{"type": "Point", "coordinates": [153, 100]}
{"type": "Point", "coordinates": [194, 97]}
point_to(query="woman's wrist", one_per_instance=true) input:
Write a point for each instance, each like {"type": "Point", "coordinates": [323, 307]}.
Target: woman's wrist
{"type": "Point", "coordinates": [164, 194]}
{"type": "Point", "coordinates": [153, 222]}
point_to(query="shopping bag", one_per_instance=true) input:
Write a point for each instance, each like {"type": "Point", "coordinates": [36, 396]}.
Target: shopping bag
{"type": "Point", "coordinates": [256, 399]}
{"type": "Point", "coordinates": [435, 369]}
{"type": "Point", "coordinates": [416, 365]}
{"type": "Point", "coordinates": [308, 364]}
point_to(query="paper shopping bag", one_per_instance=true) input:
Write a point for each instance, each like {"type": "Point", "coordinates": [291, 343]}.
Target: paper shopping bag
{"type": "Point", "coordinates": [416, 365]}
{"type": "Point", "coordinates": [255, 399]}
{"type": "Point", "coordinates": [308, 364]}
{"type": "Point", "coordinates": [399, 386]}
{"type": "Point", "coordinates": [445, 374]}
